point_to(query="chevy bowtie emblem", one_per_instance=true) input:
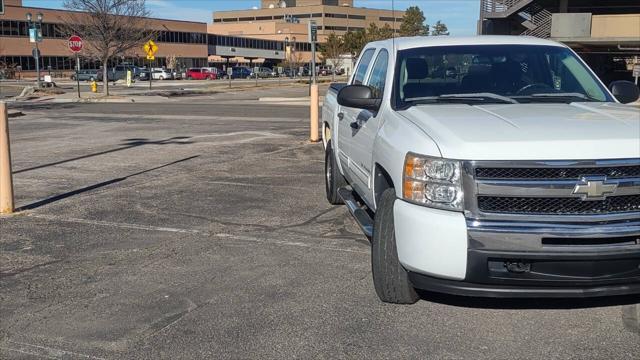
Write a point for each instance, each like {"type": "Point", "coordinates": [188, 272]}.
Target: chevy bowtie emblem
{"type": "Point", "coordinates": [594, 188]}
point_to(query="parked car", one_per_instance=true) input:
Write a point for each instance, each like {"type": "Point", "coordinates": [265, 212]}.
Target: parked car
{"type": "Point", "coordinates": [215, 71]}
{"type": "Point", "coordinates": [265, 72]}
{"type": "Point", "coordinates": [143, 74]}
{"type": "Point", "coordinates": [161, 74]}
{"type": "Point", "coordinates": [240, 72]}
{"type": "Point", "coordinates": [305, 71]}
{"type": "Point", "coordinates": [325, 70]}
{"type": "Point", "coordinates": [86, 75]}
{"type": "Point", "coordinates": [200, 74]}
{"type": "Point", "coordinates": [119, 72]}
{"type": "Point", "coordinates": [520, 179]}
{"type": "Point", "coordinates": [179, 74]}
{"type": "Point", "coordinates": [289, 72]}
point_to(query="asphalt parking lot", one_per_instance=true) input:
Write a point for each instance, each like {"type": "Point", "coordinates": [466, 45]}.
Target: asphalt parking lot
{"type": "Point", "coordinates": [198, 229]}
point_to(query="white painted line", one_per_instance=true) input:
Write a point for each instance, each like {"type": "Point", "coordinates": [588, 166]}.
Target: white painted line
{"type": "Point", "coordinates": [167, 117]}
{"type": "Point", "coordinates": [286, 243]}
{"type": "Point", "coordinates": [28, 353]}
{"type": "Point", "coordinates": [195, 232]}
{"type": "Point", "coordinates": [50, 352]}
{"type": "Point", "coordinates": [233, 183]}
{"type": "Point", "coordinates": [118, 225]}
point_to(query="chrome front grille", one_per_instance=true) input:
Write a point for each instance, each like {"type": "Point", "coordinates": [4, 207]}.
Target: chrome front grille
{"type": "Point", "coordinates": [558, 206]}
{"type": "Point", "coordinates": [615, 172]}
{"type": "Point", "coordinates": [547, 190]}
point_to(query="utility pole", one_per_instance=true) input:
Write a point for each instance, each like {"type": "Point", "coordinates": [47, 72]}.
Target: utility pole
{"type": "Point", "coordinates": [313, 39]}
{"type": "Point", "coordinates": [35, 36]}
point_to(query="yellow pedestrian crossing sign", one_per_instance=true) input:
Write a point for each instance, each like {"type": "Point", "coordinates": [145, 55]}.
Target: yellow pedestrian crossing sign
{"type": "Point", "coordinates": [150, 48]}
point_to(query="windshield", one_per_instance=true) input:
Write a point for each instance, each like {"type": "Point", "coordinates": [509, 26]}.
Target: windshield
{"type": "Point", "coordinates": [494, 73]}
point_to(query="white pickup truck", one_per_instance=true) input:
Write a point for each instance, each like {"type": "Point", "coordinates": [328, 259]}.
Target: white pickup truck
{"type": "Point", "coordinates": [487, 166]}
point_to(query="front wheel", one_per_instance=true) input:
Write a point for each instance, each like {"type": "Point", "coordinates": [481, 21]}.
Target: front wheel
{"type": "Point", "coordinates": [333, 178]}
{"type": "Point", "coordinates": [390, 279]}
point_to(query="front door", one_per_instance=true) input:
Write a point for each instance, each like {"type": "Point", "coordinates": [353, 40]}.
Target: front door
{"type": "Point", "coordinates": [348, 117]}
{"type": "Point", "coordinates": [366, 127]}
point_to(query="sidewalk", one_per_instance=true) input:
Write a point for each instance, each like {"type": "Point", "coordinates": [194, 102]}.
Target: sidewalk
{"type": "Point", "coordinates": [122, 94]}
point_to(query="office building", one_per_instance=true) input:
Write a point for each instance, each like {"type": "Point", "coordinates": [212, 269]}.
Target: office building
{"type": "Point", "coordinates": [331, 16]}
{"type": "Point", "coordinates": [605, 33]}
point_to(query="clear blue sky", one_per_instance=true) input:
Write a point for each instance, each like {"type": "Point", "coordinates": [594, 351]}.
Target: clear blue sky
{"type": "Point", "coordinates": [460, 15]}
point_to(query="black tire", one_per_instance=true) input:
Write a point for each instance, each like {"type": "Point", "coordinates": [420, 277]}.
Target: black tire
{"type": "Point", "coordinates": [390, 279]}
{"type": "Point", "coordinates": [333, 179]}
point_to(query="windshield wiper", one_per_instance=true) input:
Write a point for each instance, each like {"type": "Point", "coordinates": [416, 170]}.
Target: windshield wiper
{"type": "Point", "coordinates": [474, 98]}
{"type": "Point", "coordinates": [564, 97]}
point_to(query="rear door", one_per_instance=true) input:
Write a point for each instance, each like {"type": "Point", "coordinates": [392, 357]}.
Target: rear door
{"type": "Point", "coordinates": [348, 118]}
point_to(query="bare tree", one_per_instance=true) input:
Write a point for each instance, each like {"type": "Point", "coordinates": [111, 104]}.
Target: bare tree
{"type": "Point", "coordinates": [172, 62]}
{"type": "Point", "coordinates": [110, 28]}
{"type": "Point", "coordinates": [332, 50]}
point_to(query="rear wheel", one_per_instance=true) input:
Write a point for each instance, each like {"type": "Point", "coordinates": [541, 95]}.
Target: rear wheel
{"type": "Point", "coordinates": [390, 279]}
{"type": "Point", "coordinates": [333, 178]}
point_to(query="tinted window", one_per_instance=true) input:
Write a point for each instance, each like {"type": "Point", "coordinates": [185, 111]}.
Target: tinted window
{"type": "Point", "coordinates": [361, 71]}
{"type": "Point", "coordinates": [378, 76]}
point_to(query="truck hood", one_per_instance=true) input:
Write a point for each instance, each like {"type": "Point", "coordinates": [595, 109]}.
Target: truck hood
{"type": "Point", "coordinates": [575, 131]}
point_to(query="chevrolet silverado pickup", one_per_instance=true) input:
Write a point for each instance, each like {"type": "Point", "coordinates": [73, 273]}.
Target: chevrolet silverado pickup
{"type": "Point", "coordinates": [487, 166]}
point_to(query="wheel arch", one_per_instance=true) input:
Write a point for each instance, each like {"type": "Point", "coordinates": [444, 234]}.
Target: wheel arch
{"type": "Point", "coordinates": [326, 133]}
{"type": "Point", "coordinates": [381, 182]}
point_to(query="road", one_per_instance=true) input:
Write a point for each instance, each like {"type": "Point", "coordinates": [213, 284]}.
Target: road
{"type": "Point", "coordinates": [199, 229]}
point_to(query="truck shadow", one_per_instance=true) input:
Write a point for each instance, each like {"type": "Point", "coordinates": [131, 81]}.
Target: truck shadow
{"type": "Point", "coordinates": [519, 304]}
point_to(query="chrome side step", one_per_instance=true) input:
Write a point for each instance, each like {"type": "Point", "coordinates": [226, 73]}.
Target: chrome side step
{"type": "Point", "coordinates": [362, 216]}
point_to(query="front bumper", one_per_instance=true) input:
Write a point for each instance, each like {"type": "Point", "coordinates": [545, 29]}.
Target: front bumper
{"type": "Point", "coordinates": [528, 274]}
{"type": "Point", "coordinates": [444, 252]}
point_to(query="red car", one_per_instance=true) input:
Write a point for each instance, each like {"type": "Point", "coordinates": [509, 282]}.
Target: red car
{"type": "Point", "coordinates": [201, 74]}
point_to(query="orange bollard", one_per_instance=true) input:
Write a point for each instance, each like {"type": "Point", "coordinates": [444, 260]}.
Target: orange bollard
{"type": "Point", "coordinates": [6, 177]}
{"type": "Point", "coordinates": [314, 137]}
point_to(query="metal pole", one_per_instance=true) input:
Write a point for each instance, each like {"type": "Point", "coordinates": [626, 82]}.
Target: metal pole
{"type": "Point", "coordinates": [78, 73]}
{"type": "Point", "coordinates": [6, 177]}
{"type": "Point", "coordinates": [635, 63]}
{"type": "Point", "coordinates": [313, 61]}
{"type": "Point", "coordinates": [150, 74]}
{"type": "Point", "coordinates": [38, 62]}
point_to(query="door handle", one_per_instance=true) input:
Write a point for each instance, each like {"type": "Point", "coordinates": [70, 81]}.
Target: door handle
{"type": "Point", "coordinates": [340, 116]}
{"type": "Point", "coordinates": [354, 125]}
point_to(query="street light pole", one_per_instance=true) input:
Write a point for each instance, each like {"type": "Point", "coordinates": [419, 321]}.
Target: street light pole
{"type": "Point", "coordinates": [293, 50]}
{"type": "Point", "coordinates": [287, 52]}
{"type": "Point", "coordinates": [35, 27]}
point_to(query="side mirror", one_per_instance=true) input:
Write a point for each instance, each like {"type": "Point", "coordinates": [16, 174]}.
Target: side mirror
{"type": "Point", "coordinates": [625, 91]}
{"type": "Point", "coordinates": [359, 97]}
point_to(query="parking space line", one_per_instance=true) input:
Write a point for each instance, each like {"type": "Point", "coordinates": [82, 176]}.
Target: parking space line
{"type": "Point", "coordinates": [48, 352]}
{"type": "Point", "coordinates": [193, 232]}
{"type": "Point", "coordinates": [286, 243]}
{"type": "Point", "coordinates": [169, 117]}
{"type": "Point", "coordinates": [118, 225]}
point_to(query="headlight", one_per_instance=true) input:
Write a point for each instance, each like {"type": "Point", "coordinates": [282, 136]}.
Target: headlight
{"type": "Point", "coordinates": [433, 182]}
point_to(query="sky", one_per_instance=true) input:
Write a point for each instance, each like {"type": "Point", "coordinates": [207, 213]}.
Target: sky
{"type": "Point", "coordinates": [460, 15]}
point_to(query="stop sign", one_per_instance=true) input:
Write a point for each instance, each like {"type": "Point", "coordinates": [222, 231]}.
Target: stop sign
{"type": "Point", "coordinates": [75, 43]}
